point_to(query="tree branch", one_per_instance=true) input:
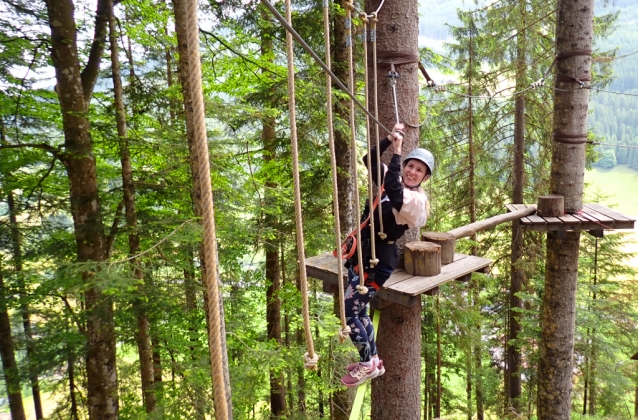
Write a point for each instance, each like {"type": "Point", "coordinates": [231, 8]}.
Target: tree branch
{"type": "Point", "coordinates": [48, 172]}
{"type": "Point", "coordinates": [114, 228]}
{"type": "Point", "coordinates": [46, 147]}
{"type": "Point", "coordinates": [90, 72]}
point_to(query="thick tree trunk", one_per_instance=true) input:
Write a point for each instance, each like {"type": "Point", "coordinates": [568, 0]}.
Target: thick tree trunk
{"type": "Point", "coordinates": [24, 307]}
{"type": "Point", "coordinates": [271, 245]}
{"type": "Point", "coordinates": [184, 70]}
{"type": "Point", "coordinates": [397, 394]}
{"type": "Point", "coordinates": [514, 386]}
{"type": "Point", "coordinates": [574, 31]}
{"type": "Point", "coordinates": [341, 112]}
{"type": "Point", "coordinates": [142, 336]}
{"type": "Point", "coordinates": [7, 351]}
{"type": "Point", "coordinates": [74, 93]}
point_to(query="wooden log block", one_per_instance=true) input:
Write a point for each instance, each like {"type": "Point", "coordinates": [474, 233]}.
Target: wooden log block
{"type": "Point", "coordinates": [551, 205]}
{"type": "Point", "coordinates": [447, 242]}
{"type": "Point", "coordinates": [423, 258]}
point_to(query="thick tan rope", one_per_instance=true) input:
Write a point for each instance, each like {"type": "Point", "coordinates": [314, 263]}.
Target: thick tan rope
{"type": "Point", "coordinates": [374, 261]}
{"type": "Point", "coordinates": [353, 144]}
{"type": "Point", "coordinates": [210, 240]}
{"type": "Point", "coordinates": [310, 358]}
{"type": "Point", "coordinates": [344, 331]}
{"type": "Point", "coordinates": [373, 40]}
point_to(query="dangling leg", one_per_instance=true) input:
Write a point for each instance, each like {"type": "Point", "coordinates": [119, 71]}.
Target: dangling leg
{"type": "Point", "coordinates": [355, 304]}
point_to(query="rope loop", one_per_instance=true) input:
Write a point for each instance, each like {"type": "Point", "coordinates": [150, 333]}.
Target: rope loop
{"type": "Point", "coordinates": [350, 6]}
{"type": "Point", "coordinates": [344, 333]}
{"type": "Point", "coordinates": [374, 262]}
{"type": "Point", "coordinates": [374, 17]}
{"type": "Point", "coordinates": [311, 363]}
{"type": "Point", "coordinates": [364, 17]}
{"type": "Point", "coordinates": [382, 235]}
{"type": "Point", "coordinates": [363, 290]}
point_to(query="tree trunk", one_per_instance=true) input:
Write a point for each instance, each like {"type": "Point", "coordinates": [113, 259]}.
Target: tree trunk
{"type": "Point", "coordinates": [74, 92]}
{"type": "Point", "coordinates": [514, 387]}
{"type": "Point", "coordinates": [184, 70]}
{"type": "Point", "coordinates": [341, 111]}
{"type": "Point", "coordinates": [574, 31]}
{"type": "Point", "coordinates": [271, 243]}
{"type": "Point", "coordinates": [24, 307]}
{"type": "Point", "coordinates": [72, 397]}
{"type": "Point", "coordinates": [397, 394]}
{"type": "Point", "coordinates": [7, 351]}
{"type": "Point", "coordinates": [142, 336]}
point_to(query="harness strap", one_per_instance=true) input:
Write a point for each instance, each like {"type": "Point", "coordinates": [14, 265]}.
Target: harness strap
{"type": "Point", "coordinates": [352, 236]}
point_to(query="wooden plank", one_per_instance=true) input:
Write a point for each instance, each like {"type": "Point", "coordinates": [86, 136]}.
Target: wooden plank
{"type": "Point", "coordinates": [519, 206]}
{"type": "Point", "coordinates": [397, 277]}
{"type": "Point", "coordinates": [608, 212]}
{"type": "Point", "coordinates": [570, 222]}
{"type": "Point", "coordinates": [417, 284]}
{"type": "Point", "coordinates": [525, 221]}
{"type": "Point", "coordinates": [592, 214]}
{"type": "Point", "coordinates": [398, 297]}
{"type": "Point", "coordinates": [536, 220]}
{"type": "Point", "coordinates": [553, 221]}
{"type": "Point", "coordinates": [510, 207]}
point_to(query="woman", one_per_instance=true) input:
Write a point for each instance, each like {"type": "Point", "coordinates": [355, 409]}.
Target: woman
{"type": "Point", "coordinates": [404, 206]}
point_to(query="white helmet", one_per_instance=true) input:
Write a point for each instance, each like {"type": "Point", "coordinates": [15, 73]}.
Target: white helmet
{"type": "Point", "coordinates": [421, 155]}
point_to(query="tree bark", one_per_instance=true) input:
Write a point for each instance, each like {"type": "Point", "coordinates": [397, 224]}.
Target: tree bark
{"type": "Point", "coordinates": [514, 385]}
{"type": "Point", "coordinates": [74, 93]}
{"type": "Point", "coordinates": [142, 336]}
{"type": "Point", "coordinates": [341, 112]}
{"type": "Point", "coordinates": [24, 307]}
{"type": "Point", "coordinates": [271, 243]}
{"type": "Point", "coordinates": [574, 31]}
{"type": "Point", "coordinates": [397, 394]}
{"type": "Point", "coordinates": [196, 194]}
{"type": "Point", "coordinates": [7, 351]}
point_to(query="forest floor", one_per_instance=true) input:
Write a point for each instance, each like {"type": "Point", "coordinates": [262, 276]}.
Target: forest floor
{"type": "Point", "coordinates": [619, 187]}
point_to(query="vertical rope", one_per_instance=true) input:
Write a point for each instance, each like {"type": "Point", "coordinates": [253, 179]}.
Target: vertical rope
{"type": "Point", "coordinates": [373, 40]}
{"type": "Point", "coordinates": [310, 358]}
{"type": "Point", "coordinates": [353, 143]}
{"type": "Point", "coordinates": [345, 329]}
{"type": "Point", "coordinates": [364, 18]}
{"type": "Point", "coordinates": [210, 240]}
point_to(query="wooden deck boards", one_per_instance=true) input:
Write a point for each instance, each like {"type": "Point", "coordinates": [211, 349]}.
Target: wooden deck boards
{"type": "Point", "coordinates": [593, 217]}
{"type": "Point", "coordinates": [401, 287]}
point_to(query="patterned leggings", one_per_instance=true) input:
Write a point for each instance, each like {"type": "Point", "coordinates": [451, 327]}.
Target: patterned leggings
{"type": "Point", "coordinates": [362, 331]}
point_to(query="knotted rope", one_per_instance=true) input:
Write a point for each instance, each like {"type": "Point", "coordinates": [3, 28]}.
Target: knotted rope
{"type": "Point", "coordinates": [373, 41]}
{"type": "Point", "coordinates": [344, 331]}
{"type": "Point", "coordinates": [210, 239]}
{"type": "Point", "coordinates": [374, 261]}
{"type": "Point", "coordinates": [310, 358]}
{"type": "Point", "coordinates": [353, 143]}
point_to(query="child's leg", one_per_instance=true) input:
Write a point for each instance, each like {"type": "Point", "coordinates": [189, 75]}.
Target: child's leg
{"type": "Point", "coordinates": [355, 304]}
{"type": "Point", "coordinates": [381, 273]}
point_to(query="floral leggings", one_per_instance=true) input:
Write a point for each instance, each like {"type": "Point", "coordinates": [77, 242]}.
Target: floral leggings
{"type": "Point", "coordinates": [361, 329]}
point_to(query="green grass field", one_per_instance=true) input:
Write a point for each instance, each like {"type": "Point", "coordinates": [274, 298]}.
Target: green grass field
{"type": "Point", "coordinates": [619, 185]}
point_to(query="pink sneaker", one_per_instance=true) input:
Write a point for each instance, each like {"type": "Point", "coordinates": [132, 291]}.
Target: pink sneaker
{"type": "Point", "coordinates": [359, 375]}
{"type": "Point", "coordinates": [379, 362]}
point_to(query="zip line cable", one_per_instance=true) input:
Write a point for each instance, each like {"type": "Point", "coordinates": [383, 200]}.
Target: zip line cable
{"type": "Point", "coordinates": [596, 143]}
{"type": "Point", "coordinates": [318, 60]}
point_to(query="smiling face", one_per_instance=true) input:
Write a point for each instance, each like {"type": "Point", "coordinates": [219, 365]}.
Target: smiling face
{"type": "Point", "coordinates": [414, 172]}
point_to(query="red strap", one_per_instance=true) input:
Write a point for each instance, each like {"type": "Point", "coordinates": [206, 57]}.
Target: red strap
{"type": "Point", "coordinates": [353, 235]}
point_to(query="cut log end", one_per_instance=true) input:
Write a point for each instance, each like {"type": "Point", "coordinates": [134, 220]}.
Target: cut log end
{"type": "Point", "coordinates": [447, 242]}
{"type": "Point", "coordinates": [551, 206]}
{"type": "Point", "coordinates": [422, 258]}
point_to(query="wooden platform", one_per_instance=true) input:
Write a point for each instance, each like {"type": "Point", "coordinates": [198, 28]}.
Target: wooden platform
{"type": "Point", "coordinates": [401, 287]}
{"type": "Point", "coordinates": [594, 218]}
